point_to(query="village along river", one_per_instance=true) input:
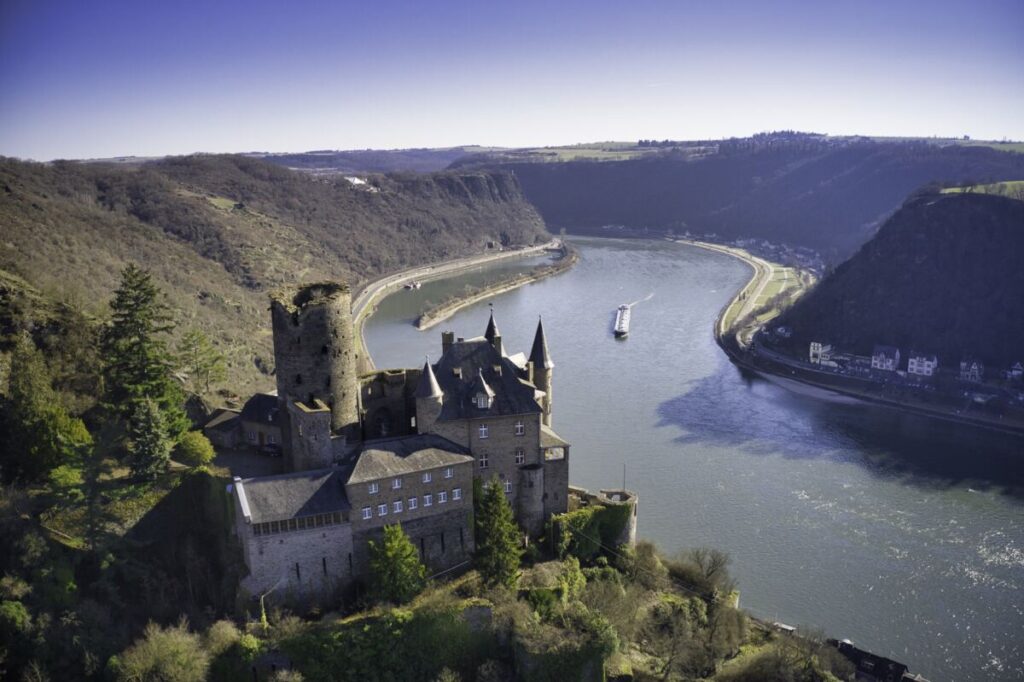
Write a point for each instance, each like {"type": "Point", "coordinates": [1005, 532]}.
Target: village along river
{"type": "Point", "coordinates": [903, 534]}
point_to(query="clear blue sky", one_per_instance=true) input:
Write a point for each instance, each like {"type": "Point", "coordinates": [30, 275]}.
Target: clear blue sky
{"type": "Point", "coordinates": [90, 78]}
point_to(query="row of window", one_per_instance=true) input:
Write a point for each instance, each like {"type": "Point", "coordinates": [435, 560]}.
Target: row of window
{"type": "Point", "coordinates": [484, 431]}
{"type": "Point", "coordinates": [398, 506]}
{"type": "Point", "coordinates": [485, 461]}
{"type": "Point", "coordinates": [396, 483]}
{"type": "Point", "coordinates": [301, 523]}
{"type": "Point", "coordinates": [271, 438]}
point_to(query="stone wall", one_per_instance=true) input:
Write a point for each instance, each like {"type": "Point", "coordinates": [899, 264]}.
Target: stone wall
{"type": "Point", "coordinates": [301, 564]}
{"type": "Point", "coordinates": [387, 401]}
{"type": "Point", "coordinates": [444, 540]}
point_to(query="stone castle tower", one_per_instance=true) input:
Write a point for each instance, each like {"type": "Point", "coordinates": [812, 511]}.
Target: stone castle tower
{"type": "Point", "coordinates": [315, 358]}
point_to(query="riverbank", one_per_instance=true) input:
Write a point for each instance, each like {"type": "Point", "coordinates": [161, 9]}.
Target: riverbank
{"type": "Point", "coordinates": [734, 334]}
{"type": "Point", "coordinates": [365, 301]}
{"type": "Point", "coordinates": [445, 310]}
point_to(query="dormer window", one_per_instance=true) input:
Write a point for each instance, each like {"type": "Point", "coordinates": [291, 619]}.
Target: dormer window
{"type": "Point", "coordinates": [483, 401]}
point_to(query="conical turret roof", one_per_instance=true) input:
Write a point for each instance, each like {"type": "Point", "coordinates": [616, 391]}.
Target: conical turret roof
{"type": "Point", "coordinates": [539, 355]}
{"type": "Point", "coordinates": [492, 329]}
{"type": "Point", "coordinates": [428, 386]}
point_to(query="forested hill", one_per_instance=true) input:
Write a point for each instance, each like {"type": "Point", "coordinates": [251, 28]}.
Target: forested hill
{"type": "Point", "coordinates": [218, 232]}
{"type": "Point", "coordinates": [818, 192]}
{"type": "Point", "coordinates": [944, 275]}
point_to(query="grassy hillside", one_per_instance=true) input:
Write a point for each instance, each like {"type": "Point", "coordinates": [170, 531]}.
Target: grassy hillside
{"type": "Point", "coordinates": [825, 193]}
{"type": "Point", "coordinates": [943, 276]}
{"type": "Point", "coordinates": [219, 232]}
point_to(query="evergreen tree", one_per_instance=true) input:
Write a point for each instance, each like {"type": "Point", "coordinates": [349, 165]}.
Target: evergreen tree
{"type": "Point", "coordinates": [201, 359]}
{"type": "Point", "coordinates": [38, 432]}
{"type": "Point", "coordinates": [137, 364]}
{"type": "Point", "coordinates": [498, 547]}
{"type": "Point", "coordinates": [395, 568]}
{"type": "Point", "coordinates": [149, 447]}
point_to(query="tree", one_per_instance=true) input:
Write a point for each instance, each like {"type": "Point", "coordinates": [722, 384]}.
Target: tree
{"type": "Point", "coordinates": [194, 449]}
{"type": "Point", "coordinates": [498, 547]}
{"type": "Point", "coordinates": [201, 359]}
{"type": "Point", "coordinates": [41, 435]}
{"type": "Point", "coordinates": [149, 447]}
{"type": "Point", "coordinates": [397, 574]}
{"type": "Point", "coordinates": [137, 364]}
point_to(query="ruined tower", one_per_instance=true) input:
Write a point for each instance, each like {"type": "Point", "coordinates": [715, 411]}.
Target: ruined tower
{"type": "Point", "coordinates": [315, 352]}
{"type": "Point", "coordinates": [542, 366]}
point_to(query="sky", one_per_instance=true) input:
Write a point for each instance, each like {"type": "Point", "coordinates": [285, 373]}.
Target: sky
{"type": "Point", "coordinates": [105, 78]}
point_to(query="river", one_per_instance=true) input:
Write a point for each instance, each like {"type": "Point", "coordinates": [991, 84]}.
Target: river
{"type": "Point", "coordinates": [904, 534]}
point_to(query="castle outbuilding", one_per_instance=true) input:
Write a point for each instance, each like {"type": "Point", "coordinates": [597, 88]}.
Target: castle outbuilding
{"type": "Point", "coordinates": [392, 446]}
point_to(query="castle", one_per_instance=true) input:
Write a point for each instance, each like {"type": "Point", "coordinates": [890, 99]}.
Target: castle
{"type": "Point", "coordinates": [364, 451]}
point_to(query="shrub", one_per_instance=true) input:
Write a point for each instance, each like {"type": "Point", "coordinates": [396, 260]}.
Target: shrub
{"type": "Point", "coordinates": [172, 655]}
{"type": "Point", "coordinates": [194, 449]}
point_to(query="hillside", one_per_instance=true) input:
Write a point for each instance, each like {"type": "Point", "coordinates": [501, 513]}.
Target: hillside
{"type": "Point", "coordinates": [806, 190]}
{"type": "Point", "coordinates": [369, 160]}
{"type": "Point", "coordinates": [942, 276]}
{"type": "Point", "coordinates": [219, 232]}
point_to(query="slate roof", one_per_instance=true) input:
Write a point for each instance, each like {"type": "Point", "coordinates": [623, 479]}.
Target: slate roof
{"type": "Point", "coordinates": [428, 386]}
{"type": "Point", "coordinates": [473, 357]}
{"type": "Point", "coordinates": [887, 351]}
{"type": "Point", "coordinates": [550, 439]}
{"type": "Point", "coordinates": [288, 496]}
{"type": "Point", "coordinates": [404, 455]}
{"type": "Point", "coordinates": [261, 407]}
{"type": "Point", "coordinates": [222, 420]}
{"type": "Point", "coordinates": [539, 355]}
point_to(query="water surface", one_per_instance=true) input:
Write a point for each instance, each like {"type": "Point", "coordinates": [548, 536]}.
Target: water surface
{"type": "Point", "coordinates": [901, 533]}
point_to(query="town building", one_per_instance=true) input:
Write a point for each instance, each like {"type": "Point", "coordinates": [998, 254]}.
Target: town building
{"type": "Point", "coordinates": [819, 352]}
{"type": "Point", "coordinates": [392, 446]}
{"type": "Point", "coordinates": [971, 370]}
{"type": "Point", "coordinates": [885, 358]}
{"type": "Point", "coordinates": [1016, 372]}
{"type": "Point", "coordinates": [921, 364]}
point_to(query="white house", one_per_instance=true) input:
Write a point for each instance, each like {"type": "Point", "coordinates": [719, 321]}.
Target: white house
{"type": "Point", "coordinates": [885, 358]}
{"type": "Point", "coordinates": [921, 364]}
{"type": "Point", "coordinates": [1016, 371]}
{"type": "Point", "coordinates": [820, 353]}
{"type": "Point", "coordinates": [971, 370]}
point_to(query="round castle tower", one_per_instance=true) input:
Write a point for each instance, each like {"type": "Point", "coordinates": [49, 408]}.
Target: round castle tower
{"type": "Point", "coordinates": [315, 350]}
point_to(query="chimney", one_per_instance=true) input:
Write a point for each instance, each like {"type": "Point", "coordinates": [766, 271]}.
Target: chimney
{"type": "Point", "coordinates": [447, 339]}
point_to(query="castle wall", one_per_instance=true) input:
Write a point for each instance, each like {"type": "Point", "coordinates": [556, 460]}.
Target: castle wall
{"type": "Point", "coordinates": [388, 405]}
{"type": "Point", "coordinates": [530, 511]}
{"type": "Point", "coordinates": [315, 350]}
{"type": "Point", "coordinates": [322, 555]}
{"type": "Point", "coordinates": [444, 540]}
{"type": "Point", "coordinates": [309, 434]}
{"type": "Point", "coordinates": [556, 485]}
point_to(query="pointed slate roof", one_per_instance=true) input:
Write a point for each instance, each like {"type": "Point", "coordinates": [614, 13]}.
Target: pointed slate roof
{"type": "Point", "coordinates": [428, 386]}
{"type": "Point", "coordinates": [492, 328]}
{"type": "Point", "coordinates": [539, 355]}
{"type": "Point", "coordinates": [480, 386]}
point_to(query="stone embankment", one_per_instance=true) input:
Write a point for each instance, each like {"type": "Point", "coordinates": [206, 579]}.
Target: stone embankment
{"type": "Point", "coordinates": [443, 311]}
{"type": "Point", "coordinates": [365, 301]}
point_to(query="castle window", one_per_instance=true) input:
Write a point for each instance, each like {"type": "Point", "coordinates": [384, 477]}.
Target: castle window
{"type": "Point", "coordinates": [298, 573]}
{"type": "Point", "coordinates": [257, 529]}
{"type": "Point", "coordinates": [413, 503]}
{"type": "Point", "coordinates": [508, 487]}
{"type": "Point", "coordinates": [396, 484]}
{"type": "Point", "coordinates": [520, 428]}
{"type": "Point", "coordinates": [442, 497]}
{"type": "Point", "coordinates": [428, 500]}
{"type": "Point", "coordinates": [382, 510]}
{"type": "Point", "coordinates": [252, 436]}
{"type": "Point", "coordinates": [483, 431]}
{"type": "Point", "coordinates": [457, 494]}
{"type": "Point", "coordinates": [298, 379]}
{"type": "Point", "coordinates": [396, 506]}
{"type": "Point", "coordinates": [271, 438]}
{"type": "Point", "coordinates": [323, 350]}
{"type": "Point", "coordinates": [374, 488]}
{"type": "Point", "coordinates": [325, 565]}
{"type": "Point", "coordinates": [483, 460]}
{"type": "Point", "coordinates": [520, 456]}
{"type": "Point", "coordinates": [427, 477]}
{"type": "Point", "coordinates": [367, 513]}
{"type": "Point", "coordinates": [483, 401]}
{"type": "Point", "coordinates": [448, 472]}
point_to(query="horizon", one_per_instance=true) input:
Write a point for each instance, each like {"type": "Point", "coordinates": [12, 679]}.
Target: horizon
{"type": "Point", "coordinates": [115, 79]}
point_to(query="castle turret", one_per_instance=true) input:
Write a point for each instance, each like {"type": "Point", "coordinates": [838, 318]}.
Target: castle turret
{"type": "Point", "coordinates": [429, 399]}
{"type": "Point", "coordinates": [542, 366]}
{"type": "Point", "coordinates": [492, 334]}
{"type": "Point", "coordinates": [315, 351]}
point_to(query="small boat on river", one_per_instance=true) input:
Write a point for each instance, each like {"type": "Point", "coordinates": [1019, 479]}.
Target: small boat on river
{"type": "Point", "coordinates": [622, 321]}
